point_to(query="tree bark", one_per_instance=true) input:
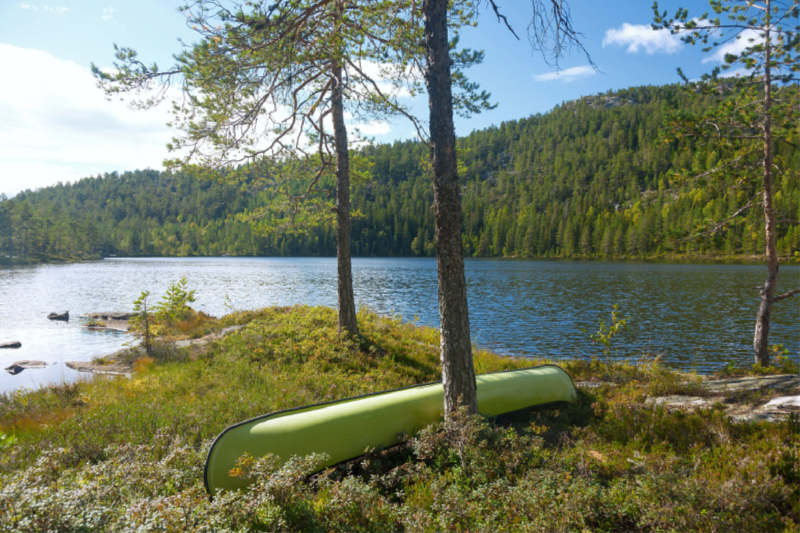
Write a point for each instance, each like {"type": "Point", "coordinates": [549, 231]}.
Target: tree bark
{"type": "Point", "coordinates": [458, 371]}
{"type": "Point", "coordinates": [347, 305]}
{"type": "Point", "coordinates": [761, 336]}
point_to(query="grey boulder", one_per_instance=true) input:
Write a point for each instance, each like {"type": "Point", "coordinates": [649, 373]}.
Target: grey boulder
{"type": "Point", "coordinates": [19, 366]}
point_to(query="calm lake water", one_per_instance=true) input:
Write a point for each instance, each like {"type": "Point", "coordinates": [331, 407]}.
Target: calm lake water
{"type": "Point", "coordinates": [697, 316]}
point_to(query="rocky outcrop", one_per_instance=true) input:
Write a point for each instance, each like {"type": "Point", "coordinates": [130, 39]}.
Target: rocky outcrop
{"type": "Point", "coordinates": [208, 338]}
{"type": "Point", "coordinates": [96, 367]}
{"type": "Point", "coordinates": [116, 320]}
{"type": "Point", "coordinates": [59, 316]}
{"type": "Point", "coordinates": [733, 394]}
{"type": "Point", "coordinates": [777, 383]}
{"type": "Point", "coordinates": [19, 366]}
{"type": "Point", "coordinates": [116, 315]}
{"type": "Point", "coordinates": [11, 344]}
{"type": "Point", "coordinates": [784, 401]}
{"type": "Point", "coordinates": [121, 362]}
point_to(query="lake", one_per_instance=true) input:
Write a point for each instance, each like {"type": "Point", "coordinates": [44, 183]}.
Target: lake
{"type": "Point", "coordinates": [695, 316]}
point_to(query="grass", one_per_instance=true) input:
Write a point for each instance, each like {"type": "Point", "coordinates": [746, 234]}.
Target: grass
{"type": "Point", "coordinates": [116, 454]}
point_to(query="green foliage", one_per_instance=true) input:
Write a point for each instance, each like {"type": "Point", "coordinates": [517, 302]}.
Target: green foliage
{"type": "Point", "coordinates": [756, 109]}
{"type": "Point", "coordinates": [314, 59]}
{"type": "Point", "coordinates": [128, 454]}
{"type": "Point", "coordinates": [605, 333]}
{"type": "Point", "coordinates": [143, 320]}
{"type": "Point", "coordinates": [174, 305]}
{"type": "Point", "coordinates": [589, 179]}
{"type": "Point", "coordinates": [781, 363]}
{"type": "Point", "coordinates": [6, 442]}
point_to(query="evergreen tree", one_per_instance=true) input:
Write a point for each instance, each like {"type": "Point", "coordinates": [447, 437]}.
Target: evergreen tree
{"type": "Point", "coordinates": [764, 99]}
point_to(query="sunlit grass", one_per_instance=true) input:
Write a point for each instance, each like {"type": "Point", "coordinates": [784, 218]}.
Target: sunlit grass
{"type": "Point", "coordinates": [116, 453]}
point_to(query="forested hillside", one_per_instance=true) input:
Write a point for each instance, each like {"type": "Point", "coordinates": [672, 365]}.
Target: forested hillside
{"type": "Point", "coordinates": [588, 179]}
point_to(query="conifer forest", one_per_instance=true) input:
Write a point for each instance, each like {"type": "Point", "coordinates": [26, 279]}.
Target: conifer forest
{"type": "Point", "coordinates": [593, 178]}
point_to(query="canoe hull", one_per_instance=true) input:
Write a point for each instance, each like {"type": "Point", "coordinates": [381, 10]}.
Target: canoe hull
{"type": "Point", "coordinates": [342, 430]}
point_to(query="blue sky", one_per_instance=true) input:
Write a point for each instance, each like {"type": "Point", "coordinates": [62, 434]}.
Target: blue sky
{"type": "Point", "coordinates": [56, 126]}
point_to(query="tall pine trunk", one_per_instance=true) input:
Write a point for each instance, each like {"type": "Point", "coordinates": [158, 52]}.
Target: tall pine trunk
{"type": "Point", "coordinates": [761, 337]}
{"type": "Point", "coordinates": [458, 372]}
{"type": "Point", "coordinates": [347, 305]}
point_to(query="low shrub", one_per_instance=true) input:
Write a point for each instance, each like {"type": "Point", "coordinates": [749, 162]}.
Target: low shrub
{"type": "Point", "coordinates": [127, 454]}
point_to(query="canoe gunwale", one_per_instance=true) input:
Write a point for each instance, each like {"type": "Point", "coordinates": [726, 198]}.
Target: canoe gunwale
{"type": "Point", "coordinates": [345, 400]}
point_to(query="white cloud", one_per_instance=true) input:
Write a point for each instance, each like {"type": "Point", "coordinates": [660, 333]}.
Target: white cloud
{"type": "Point", "coordinates": [567, 75]}
{"type": "Point", "coordinates": [383, 73]}
{"type": "Point", "coordinates": [735, 46]}
{"type": "Point", "coordinates": [638, 36]}
{"type": "Point", "coordinates": [370, 129]}
{"type": "Point", "coordinates": [57, 125]}
{"type": "Point", "coordinates": [108, 13]}
{"type": "Point", "coordinates": [58, 10]}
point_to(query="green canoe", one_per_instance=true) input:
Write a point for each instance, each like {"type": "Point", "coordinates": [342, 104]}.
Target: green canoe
{"type": "Point", "coordinates": [344, 429]}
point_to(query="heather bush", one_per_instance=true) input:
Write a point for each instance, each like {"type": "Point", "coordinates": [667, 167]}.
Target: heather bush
{"type": "Point", "coordinates": [113, 454]}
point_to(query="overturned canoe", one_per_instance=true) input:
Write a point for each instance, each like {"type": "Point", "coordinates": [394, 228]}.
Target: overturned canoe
{"type": "Point", "coordinates": [342, 430]}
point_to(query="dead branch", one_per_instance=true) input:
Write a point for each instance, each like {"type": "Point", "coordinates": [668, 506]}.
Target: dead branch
{"type": "Point", "coordinates": [501, 17]}
{"type": "Point", "coordinates": [786, 295]}
{"type": "Point", "coordinates": [721, 224]}
{"type": "Point", "coordinates": [551, 32]}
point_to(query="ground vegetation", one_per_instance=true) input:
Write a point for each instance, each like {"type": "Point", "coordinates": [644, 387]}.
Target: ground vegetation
{"type": "Point", "coordinates": [116, 454]}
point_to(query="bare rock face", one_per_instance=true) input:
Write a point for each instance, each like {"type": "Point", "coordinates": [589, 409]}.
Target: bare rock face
{"type": "Point", "coordinates": [731, 395]}
{"type": "Point", "coordinates": [116, 320]}
{"type": "Point", "coordinates": [93, 367]}
{"type": "Point", "coordinates": [777, 383]}
{"type": "Point", "coordinates": [59, 316]}
{"type": "Point", "coordinates": [11, 344]}
{"type": "Point", "coordinates": [111, 315]}
{"type": "Point", "coordinates": [208, 338]}
{"type": "Point", "coordinates": [19, 366]}
{"type": "Point", "coordinates": [784, 401]}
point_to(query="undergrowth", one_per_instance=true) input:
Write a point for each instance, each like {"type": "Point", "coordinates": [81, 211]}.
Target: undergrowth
{"type": "Point", "coordinates": [116, 454]}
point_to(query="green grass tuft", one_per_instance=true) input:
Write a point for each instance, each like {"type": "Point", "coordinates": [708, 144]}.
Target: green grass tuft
{"type": "Point", "coordinates": [117, 454]}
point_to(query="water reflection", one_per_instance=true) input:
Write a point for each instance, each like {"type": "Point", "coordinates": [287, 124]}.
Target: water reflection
{"type": "Point", "coordinates": [693, 315]}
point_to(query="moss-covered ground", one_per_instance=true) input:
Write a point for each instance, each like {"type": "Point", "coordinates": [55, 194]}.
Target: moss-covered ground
{"type": "Point", "coordinates": [127, 454]}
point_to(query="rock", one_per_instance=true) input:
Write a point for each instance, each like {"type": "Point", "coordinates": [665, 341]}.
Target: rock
{"type": "Point", "coordinates": [19, 366]}
{"type": "Point", "coordinates": [117, 320]}
{"type": "Point", "coordinates": [593, 384]}
{"type": "Point", "coordinates": [784, 401]}
{"type": "Point", "coordinates": [755, 417]}
{"type": "Point", "coordinates": [11, 344]}
{"type": "Point", "coordinates": [114, 369]}
{"type": "Point", "coordinates": [116, 315]}
{"type": "Point", "coordinates": [732, 395]}
{"type": "Point", "coordinates": [116, 325]}
{"type": "Point", "coordinates": [56, 316]}
{"type": "Point", "coordinates": [680, 402]}
{"type": "Point", "coordinates": [779, 382]}
{"type": "Point", "coordinates": [208, 338]}
{"type": "Point", "coordinates": [119, 325]}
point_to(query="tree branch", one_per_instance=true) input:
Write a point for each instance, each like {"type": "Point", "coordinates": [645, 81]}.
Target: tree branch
{"type": "Point", "coordinates": [502, 17]}
{"type": "Point", "coordinates": [786, 295]}
{"type": "Point", "coordinates": [721, 224]}
{"type": "Point", "coordinates": [551, 32]}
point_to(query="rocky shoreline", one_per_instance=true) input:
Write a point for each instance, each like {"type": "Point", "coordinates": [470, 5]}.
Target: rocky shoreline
{"type": "Point", "coordinates": [109, 320]}
{"type": "Point", "coordinates": [100, 321]}
{"type": "Point", "coordinates": [121, 363]}
{"type": "Point", "coordinates": [768, 398]}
